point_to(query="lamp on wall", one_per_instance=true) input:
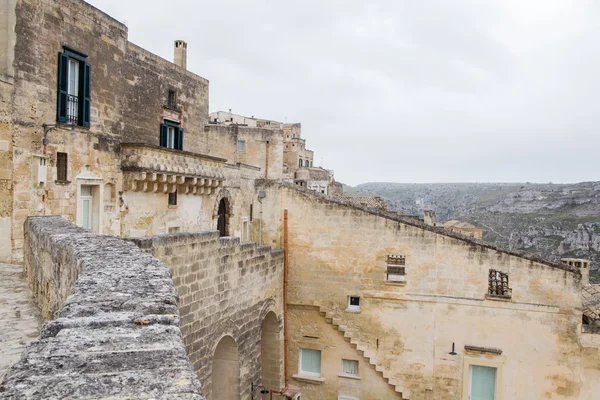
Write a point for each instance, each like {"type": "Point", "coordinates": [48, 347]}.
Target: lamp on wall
{"type": "Point", "coordinates": [48, 127]}
{"type": "Point", "coordinates": [263, 390]}
{"type": "Point", "coordinates": [452, 353]}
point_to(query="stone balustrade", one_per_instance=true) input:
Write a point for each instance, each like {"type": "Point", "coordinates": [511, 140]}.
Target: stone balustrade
{"type": "Point", "coordinates": [156, 169]}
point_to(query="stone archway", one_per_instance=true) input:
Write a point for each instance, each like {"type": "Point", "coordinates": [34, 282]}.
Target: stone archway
{"type": "Point", "coordinates": [222, 212]}
{"type": "Point", "coordinates": [226, 371]}
{"type": "Point", "coordinates": [223, 217]}
{"type": "Point", "coordinates": [270, 355]}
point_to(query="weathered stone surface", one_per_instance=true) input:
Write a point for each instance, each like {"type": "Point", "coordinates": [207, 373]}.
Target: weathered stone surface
{"type": "Point", "coordinates": [116, 335]}
{"type": "Point", "coordinates": [19, 319]}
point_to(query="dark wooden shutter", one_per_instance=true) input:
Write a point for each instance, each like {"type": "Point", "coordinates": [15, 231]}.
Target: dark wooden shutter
{"type": "Point", "coordinates": [179, 139]}
{"type": "Point", "coordinates": [163, 135]}
{"type": "Point", "coordinates": [84, 102]}
{"type": "Point", "coordinates": [63, 81]}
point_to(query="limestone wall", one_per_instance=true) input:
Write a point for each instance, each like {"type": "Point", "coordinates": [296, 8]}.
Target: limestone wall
{"type": "Point", "coordinates": [116, 328]}
{"type": "Point", "coordinates": [226, 289]}
{"type": "Point", "coordinates": [408, 328]}
{"type": "Point", "coordinates": [129, 102]}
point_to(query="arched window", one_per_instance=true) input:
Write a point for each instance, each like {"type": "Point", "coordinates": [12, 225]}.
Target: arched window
{"type": "Point", "coordinates": [306, 163]}
{"type": "Point", "coordinates": [300, 162]}
{"type": "Point", "coordinates": [222, 222]}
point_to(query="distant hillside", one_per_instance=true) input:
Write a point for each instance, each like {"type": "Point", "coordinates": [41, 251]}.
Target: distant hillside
{"type": "Point", "coordinates": [553, 220]}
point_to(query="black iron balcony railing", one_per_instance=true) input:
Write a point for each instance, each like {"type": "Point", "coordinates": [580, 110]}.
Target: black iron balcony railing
{"type": "Point", "coordinates": [72, 109]}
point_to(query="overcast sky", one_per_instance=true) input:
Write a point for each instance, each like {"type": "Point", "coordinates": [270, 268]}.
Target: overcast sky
{"type": "Point", "coordinates": [401, 90]}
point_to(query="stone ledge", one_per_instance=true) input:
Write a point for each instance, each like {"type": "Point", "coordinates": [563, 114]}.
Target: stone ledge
{"type": "Point", "coordinates": [117, 333]}
{"type": "Point", "coordinates": [309, 379]}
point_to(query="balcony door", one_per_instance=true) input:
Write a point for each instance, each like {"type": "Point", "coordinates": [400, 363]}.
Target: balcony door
{"type": "Point", "coordinates": [86, 200]}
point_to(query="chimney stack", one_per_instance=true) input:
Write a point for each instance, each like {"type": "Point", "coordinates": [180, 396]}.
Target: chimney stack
{"type": "Point", "coordinates": [181, 53]}
{"type": "Point", "coordinates": [584, 268]}
{"type": "Point", "coordinates": [429, 217]}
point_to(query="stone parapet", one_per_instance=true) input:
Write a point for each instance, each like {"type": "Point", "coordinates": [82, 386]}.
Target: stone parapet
{"type": "Point", "coordinates": [116, 332]}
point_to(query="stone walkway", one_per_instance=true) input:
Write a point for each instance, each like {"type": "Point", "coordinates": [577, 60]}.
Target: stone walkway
{"type": "Point", "coordinates": [19, 319]}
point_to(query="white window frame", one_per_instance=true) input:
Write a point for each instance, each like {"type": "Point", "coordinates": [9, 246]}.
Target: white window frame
{"type": "Point", "coordinates": [343, 373]}
{"type": "Point", "coordinates": [343, 397]}
{"type": "Point", "coordinates": [308, 373]}
{"type": "Point", "coordinates": [170, 137]}
{"type": "Point", "coordinates": [352, 307]}
{"type": "Point", "coordinates": [468, 362]}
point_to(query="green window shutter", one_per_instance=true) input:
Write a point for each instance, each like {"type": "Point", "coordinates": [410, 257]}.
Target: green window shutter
{"type": "Point", "coordinates": [163, 135]}
{"type": "Point", "coordinates": [63, 80]}
{"type": "Point", "coordinates": [84, 102]}
{"type": "Point", "coordinates": [179, 139]}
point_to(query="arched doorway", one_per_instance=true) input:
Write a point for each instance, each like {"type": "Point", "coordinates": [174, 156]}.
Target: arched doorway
{"type": "Point", "coordinates": [223, 217]}
{"type": "Point", "coordinates": [226, 371]}
{"type": "Point", "coordinates": [270, 356]}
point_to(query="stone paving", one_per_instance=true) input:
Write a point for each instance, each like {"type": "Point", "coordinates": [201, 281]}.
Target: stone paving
{"type": "Point", "coordinates": [19, 318]}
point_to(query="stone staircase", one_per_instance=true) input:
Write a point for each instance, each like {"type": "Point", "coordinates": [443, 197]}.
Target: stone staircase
{"type": "Point", "coordinates": [364, 351]}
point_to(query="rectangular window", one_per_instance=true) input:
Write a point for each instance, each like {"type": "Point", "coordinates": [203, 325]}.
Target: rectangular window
{"type": "Point", "coordinates": [482, 383]}
{"type": "Point", "coordinates": [353, 303]}
{"type": "Point", "coordinates": [498, 284]}
{"type": "Point", "coordinates": [172, 99]}
{"type": "Point", "coordinates": [174, 229]}
{"type": "Point", "coordinates": [241, 146]}
{"type": "Point", "coordinates": [251, 210]}
{"type": "Point", "coordinates": [173, 198]}
{"type": "Point", "coordinates": [350, 367]}
{"type": "Point", "coordinates": [310, 362]}
{"type": "Point", "coordinates": [171, 136]}
{"type": "Point", "coordinates": [74, 75]}
{"type": "Point", "coordinates": [396, 268]}
{"type": "Point", "coordinates": [61, 167]}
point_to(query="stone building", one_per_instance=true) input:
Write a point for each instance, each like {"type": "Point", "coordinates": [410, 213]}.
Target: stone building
{"type": "Point", "coordinates": [236, 281]}
{"type": "Point", "coordinates": [464, 228]}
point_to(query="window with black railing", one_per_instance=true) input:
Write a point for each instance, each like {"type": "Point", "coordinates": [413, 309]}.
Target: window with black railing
{"type": "Point", "coordinates": [74, 75]}
{"type": "Point", "coordinates": [72, 109]}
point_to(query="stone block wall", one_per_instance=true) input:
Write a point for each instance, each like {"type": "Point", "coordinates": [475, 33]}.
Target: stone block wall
{"type": "Point", "coordinates": [226, 288]}
{"type": "Point", "coordinates": [339, 250]}
{"type": "Point", "coordinates": [116, 328]}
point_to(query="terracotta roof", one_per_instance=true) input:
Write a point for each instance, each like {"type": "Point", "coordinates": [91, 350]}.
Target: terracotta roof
{"type": "Point", "coordinates": [591, 301]}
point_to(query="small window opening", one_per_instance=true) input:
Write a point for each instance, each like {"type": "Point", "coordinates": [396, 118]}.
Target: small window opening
{"type": "Point", "coordinates": [251, 210]}
{"type": "Point", "coordinates": [241, 146]}
{"type": "Point", "coordinates": [350, 367]}
{"type": "Point", "coordinates": [353, 303]}
{"type": "Point", "coordinates": [61, 167]}
{"type": "Point", "coordinates": [498, 284]}
{"type": "Point", "coordinates": [173, 198]}
{"type": "Point", "coordinates": [172, 99]}
{"type": "Point", "coordinates": [396, 268]}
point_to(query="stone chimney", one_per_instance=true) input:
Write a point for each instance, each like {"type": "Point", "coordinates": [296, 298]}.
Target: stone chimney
{"type": "Point", "coordinates": [584, 268]}
{"type": "Point", "coordinates": [181, 53]}
{"type": "Point", "coordinates": [429, 217]}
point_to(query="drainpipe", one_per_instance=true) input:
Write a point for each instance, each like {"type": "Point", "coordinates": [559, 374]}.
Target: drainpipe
{"type": "Point", "coordinates": [267, 161]}
{"type": "Point", "coordinates": [285, 279]}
